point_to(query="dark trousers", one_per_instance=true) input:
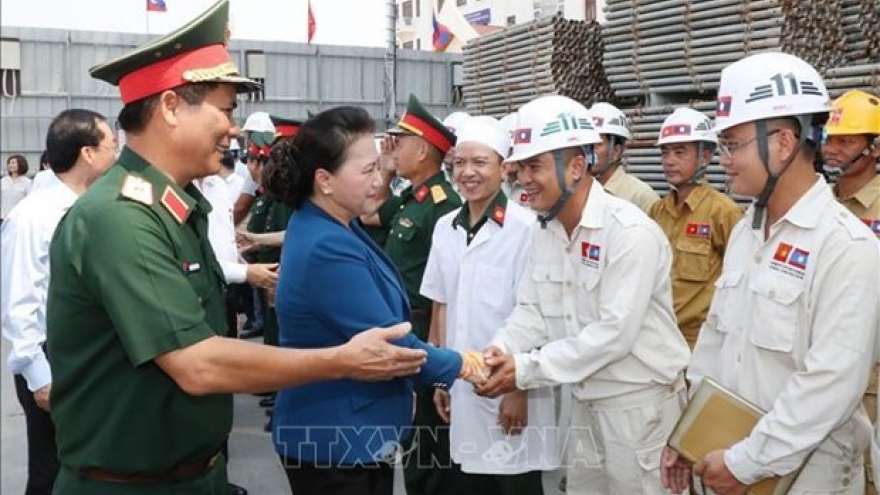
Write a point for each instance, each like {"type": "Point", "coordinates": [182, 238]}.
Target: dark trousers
{"type": "Point", "coordinates": [42, 451]}
{"type": "Point", "coordinates": [306, 479]}
{"type": "Point", "coordinates": [242, 299]}
{"type": "Point", "coordinates": [427, 466]}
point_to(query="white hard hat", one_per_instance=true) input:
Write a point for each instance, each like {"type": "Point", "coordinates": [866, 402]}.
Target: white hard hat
{"type": "Point", "coordinates": [550, 123]}
{"type": "Point", "coordinates": [454, 121]}
{"type": "Point", "coordinates": [509, 122]}
{"type": "Point", "coordinates": [686, 125]}
{"type": "Point", "coordinates": [767, 86]}
{"type": "Point", "coordinates": [608, 119]}
{"type": "Point", "coordinates": [485, 130]}
{"type": "Point", "coordinates": [259, 122]}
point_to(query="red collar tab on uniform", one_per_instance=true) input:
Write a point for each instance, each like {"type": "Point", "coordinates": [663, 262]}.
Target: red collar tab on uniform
{"type": "Point", "coordinates": [524, 197]}
{"type": "Point", "coordinates": [175, 205]}
{"type": "Point", "coordinates": [254, 150]}
{"type": "Point", "coordinates": [698, 230]}
{"type": "Point", "coordinates": [498, 215]}
{"type": "Point", "coordinates": [421, 193]}
{"type": "Point", "coordinates": [175, 71]}
{"type": "Point", "coordinates": [421, 128]}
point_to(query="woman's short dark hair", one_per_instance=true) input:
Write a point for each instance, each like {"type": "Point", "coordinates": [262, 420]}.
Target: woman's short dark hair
{"type": "Point", "coordinates": [69, 132]}
{"type": "Point", "coordinates": [21, 161]}
{"type": "Point", "coordinates": [322, 142]}
{"type": "Point", "coordinates": [134, 116]}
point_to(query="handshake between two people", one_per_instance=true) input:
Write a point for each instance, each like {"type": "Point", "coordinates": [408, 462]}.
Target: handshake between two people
{"type": "Point", "coordinates": [492, 372]}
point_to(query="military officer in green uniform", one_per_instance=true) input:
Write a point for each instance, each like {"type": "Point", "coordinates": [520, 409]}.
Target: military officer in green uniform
{"type": "Point", "coordinates": [142, 374]}
{"type": "Point", "coordinates": [421, 142]}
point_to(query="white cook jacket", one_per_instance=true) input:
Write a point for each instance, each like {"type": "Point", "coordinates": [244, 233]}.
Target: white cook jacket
{"type": "Point", "coordinates": [478, 283]}
{"type": "Point", "coordinates": [26, 236]}
{"type": "Point", "coordinates": [596, 311]}
{"type": "Point", "coordinates": [791, 328]}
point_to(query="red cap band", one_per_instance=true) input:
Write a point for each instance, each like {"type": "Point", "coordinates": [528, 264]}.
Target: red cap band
{"type": "Point", "coordinates": [168, 73]}
{"type": "Point", "coordinates": [433, 136]}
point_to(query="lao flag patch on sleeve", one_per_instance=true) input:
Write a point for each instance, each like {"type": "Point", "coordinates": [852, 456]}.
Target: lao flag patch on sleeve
{"type": "Point", "coordinates": [799, 258]}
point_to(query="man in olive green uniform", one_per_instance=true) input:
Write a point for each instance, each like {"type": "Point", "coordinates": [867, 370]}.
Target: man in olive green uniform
{"type": "Point", "coordinates": [696, 218]}
{"type": "Point", "coordinates": [851, 151]}
{"type": "Point", "coordinates": [421, 143]}
{"type": "Point", "coordinates": [142, 373]}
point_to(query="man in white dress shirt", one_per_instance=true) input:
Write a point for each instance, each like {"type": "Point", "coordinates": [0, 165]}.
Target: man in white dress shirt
{"type": "Point", "coordinates": [594, 310]}
{"type": "Point", "coordinates": [80, 147]}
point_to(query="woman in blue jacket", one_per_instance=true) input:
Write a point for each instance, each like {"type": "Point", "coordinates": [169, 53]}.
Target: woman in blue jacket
{"type": "Point", "coordinates": [336, 437]}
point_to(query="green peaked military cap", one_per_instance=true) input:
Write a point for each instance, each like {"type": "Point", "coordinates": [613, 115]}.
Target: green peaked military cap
{"type": "Point", "coordinates": [419, 121]}
{"type": "Point", "coordinates": [285, 127]}
{"type": "Point", "coordinates": [195, 52]}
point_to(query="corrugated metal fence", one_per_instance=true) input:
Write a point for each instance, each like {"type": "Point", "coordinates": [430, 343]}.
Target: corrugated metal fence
{"type": "Point", "coordinates": [298, 78]}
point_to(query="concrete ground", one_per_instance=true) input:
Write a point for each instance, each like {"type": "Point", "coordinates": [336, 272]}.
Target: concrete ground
{"type": "Point", "coordinates": [253, 463]}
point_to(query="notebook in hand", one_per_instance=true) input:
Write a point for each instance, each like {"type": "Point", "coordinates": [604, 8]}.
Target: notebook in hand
{"type": "Point", "coordinates": [716, 418]}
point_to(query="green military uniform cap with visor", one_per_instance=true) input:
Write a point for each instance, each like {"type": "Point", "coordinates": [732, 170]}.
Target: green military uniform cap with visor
{"type": "Point", "coordinates": [195, 52]}
{"type": "Point", "coordinates": [418, 121]}
{"type": "Point", "coordinates": [134, 278]}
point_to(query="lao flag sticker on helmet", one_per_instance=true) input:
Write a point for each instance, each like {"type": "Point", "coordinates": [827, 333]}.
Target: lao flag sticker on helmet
{"type": "Point", "coordinates": [598, 121]}
{"type": "Point", "coordinates": [724, 104]}
{"type": "Point", "coordinates": [522, 136]}
{"type": "Point", "coordinates": [677, 130]}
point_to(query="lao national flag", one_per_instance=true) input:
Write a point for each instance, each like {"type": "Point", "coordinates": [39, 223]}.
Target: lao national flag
{"type": "Point", "coordinates": [156, 6]}
{"type": "Point", "coordinates": [799, 258]}
{"type": "Point", "coordinates": [703, 230]}
{"type": "Point", "coordinates": [723, 108]}
{"type": "Point", "coordinates": [677, 130]}
{"type": "Point", "coordinates": [522, 136]}
{"type": "Point", "coordinates": [594, 252]}
{"type": "Point", "coordinates": [442, 35]}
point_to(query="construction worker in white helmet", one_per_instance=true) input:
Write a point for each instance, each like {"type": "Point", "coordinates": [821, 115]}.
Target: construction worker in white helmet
{"type": "Point", "coordinates": [696, 218]}
{"type": "Point", "coordinates": [257, 123]}
{"type": "Point", "coordinates": [478, 253]}
{"type": "Point", "coordinates": [850, 152]}
{"type": "Point", "coordinates": [613, 126]}
{"type": "Point", "coordinates": [791, 328]}
{"type": "Point", "coordinates": [594, 310]}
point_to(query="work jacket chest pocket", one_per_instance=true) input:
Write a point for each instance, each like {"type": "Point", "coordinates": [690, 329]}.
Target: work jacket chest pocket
{"type": "Point", "coordinates": [549, 286]}
{"type": "Point", "coordinates": [774, 312]}
{"type": "Point", "coordinates": [726, 311]}
{"type": "Point", "coordinates": [692, 260]}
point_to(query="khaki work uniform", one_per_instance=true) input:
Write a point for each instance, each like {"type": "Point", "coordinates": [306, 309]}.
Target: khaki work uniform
{"type": "Point", "coordinates": [631, 188]}
{"type": "Point", "coordinates": [698, 232]}
{"type": "Point", "coordinates": [595, 311]}
{"type": "Point", "coordinates": [791, 329]}
{"type": "Point", "coordinates": [134, 277]}
{"type": "Point", "coordinates": [865, 204]}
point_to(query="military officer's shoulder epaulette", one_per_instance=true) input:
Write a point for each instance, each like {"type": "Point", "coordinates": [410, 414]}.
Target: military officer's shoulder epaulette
{"type": "Point", "coordinates": [854, 226]}
{"type": "Point", "coordinates": [438, 194]}
{"type": "Point", "coordinates": [137, 189]}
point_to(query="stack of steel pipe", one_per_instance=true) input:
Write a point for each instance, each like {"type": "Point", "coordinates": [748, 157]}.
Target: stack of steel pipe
{"type": "Point", "coordinates": [861, 19]}
{"type": "Point", "coordinates": [680, 46]}
{"type": "Point", "coordinates": [505, 70]}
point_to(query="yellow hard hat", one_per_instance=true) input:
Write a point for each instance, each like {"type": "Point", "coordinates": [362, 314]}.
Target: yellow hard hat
{"type": "Point", "coordinates": [856, 112]}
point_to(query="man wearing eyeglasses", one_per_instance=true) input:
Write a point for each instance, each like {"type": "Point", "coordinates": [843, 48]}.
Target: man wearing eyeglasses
{"type": "Point", "coordinates": [80, 146]}
{"type": "Point", "coordinates": [791, 327]}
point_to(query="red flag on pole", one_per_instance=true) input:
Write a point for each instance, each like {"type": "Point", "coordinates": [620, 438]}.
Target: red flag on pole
{"type": "Point", "coordinates": [311, 23]}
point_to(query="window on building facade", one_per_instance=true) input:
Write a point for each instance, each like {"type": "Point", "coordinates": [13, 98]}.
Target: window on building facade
{"type": "Point", "coordinates": [10, 67]}
{"type": "Point", "coordinates": [511, 20]}
{"type": "Point", "coordinates": [408, 45]}
{"type": "Point", "coordinates": [407, 9]}
{"type": "Point", "coordinates": [460, 2]}
{"type": "Point", "coordinates": [419, 44]}
{"type": "Point", "coordinates": [418, 8]}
